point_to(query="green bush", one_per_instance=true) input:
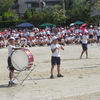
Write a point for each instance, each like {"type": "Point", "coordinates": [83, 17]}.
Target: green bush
{"type": "Point", "coordinates": [5, 16]}
{"type": "Point", "coordinates": [9, 24]}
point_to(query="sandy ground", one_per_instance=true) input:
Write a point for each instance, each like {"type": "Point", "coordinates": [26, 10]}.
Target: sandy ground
{"type": "Point", "coordinates": [81, 79]}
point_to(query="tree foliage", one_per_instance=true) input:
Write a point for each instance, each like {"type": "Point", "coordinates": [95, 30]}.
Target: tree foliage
{"type": "Point", "coordinates": [58, 14]}
{"type": "Point", "coordinates": [50, 14]}
{"type": "Point", "coordinates": [13, 16]}
{"type": "Point", "coordinates": [48, 9]}
{"type": "Point", "coordinates": [33, 11]}
{"type": "Point", "coordinates": [78, 10]}
{"type": "Point", "coordinates": [5, 16]}
{"type": "Point", "coordinates": [96, 7]}
{"type": "Point", "coordinates": [27, 15]}
{"type": "Point", "coordinates": [40, 18]}
{"type": "Point", "coordinates": [5, 5]}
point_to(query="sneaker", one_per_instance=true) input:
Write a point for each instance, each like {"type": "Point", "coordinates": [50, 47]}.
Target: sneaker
{"type": "Point", "coordinates": [59, 75]}
{"type": "Point", "coordinates": [52, 77]}
{"type": "Point", "coordinates": [11, 83]}
{"type": "Point", "coordinates": [80, 57]}
{"type": "Point", "coordinates": [91, 44]}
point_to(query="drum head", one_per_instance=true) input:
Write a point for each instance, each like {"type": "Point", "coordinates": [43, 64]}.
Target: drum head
{"type": "Point", "coordinates": [19, 59]}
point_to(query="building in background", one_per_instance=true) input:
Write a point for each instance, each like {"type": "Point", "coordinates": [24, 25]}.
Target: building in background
{"type": "Point", "coordinates": [22, 5]}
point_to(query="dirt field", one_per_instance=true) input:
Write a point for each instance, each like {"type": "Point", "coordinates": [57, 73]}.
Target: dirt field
{"type": "Point", "coordinates": [81, 79]}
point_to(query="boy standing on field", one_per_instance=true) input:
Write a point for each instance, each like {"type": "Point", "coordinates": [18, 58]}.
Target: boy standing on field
{"type": "Point", "coordinates": [11, 49]}
{"type": "Point", "coordinates": [84, 44]}
{"type": "Point", "coordinates": [55, 58]}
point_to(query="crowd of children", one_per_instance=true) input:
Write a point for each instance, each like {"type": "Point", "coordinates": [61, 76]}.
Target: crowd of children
{"type": "Point", "coordinates": [42, 37]}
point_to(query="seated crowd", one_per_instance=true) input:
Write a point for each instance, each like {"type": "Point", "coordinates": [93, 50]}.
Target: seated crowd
{"type": "Point", "coordinates": [42, 37]}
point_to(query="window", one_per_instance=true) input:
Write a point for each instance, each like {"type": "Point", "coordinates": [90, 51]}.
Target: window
{"type": "Point", "coordinates": [29, 5]}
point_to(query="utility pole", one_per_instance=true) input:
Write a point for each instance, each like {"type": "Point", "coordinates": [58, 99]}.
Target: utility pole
{"type": "Point", "coordinates": [64, 6]}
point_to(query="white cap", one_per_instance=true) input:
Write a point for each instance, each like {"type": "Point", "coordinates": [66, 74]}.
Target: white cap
{"type": "Point", "coordinates": [11, 38]}
{"type": "Point", "coordinates": [80, 34]}
{"type": "Point", "coordinates": [85, 31]}
{"type": "Point", "coordinates": [91, 26]}
{"type": "Point", "coordinates": [44, 36]}
{"type": "Point", "coordinates": [54, 38]}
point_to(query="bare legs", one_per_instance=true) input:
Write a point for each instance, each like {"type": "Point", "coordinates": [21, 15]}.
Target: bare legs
{"type": "Point", "coordinates": [86, 54]}
{"type": "Point", "coordinates": [11, 75]}
{"type": "Point", "coordinates": [58, 69]}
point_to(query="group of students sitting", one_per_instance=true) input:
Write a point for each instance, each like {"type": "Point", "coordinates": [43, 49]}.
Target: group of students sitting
{"type": "Point", "coordinates": [43, 38]}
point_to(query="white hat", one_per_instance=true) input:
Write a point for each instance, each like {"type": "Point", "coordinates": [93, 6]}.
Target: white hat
{"type": "Point", "coordinates": [54, 38]}
{"type": "Point", "coordinates": [11, 38]}
{"type": "Point", "coordinates": [91, 26]}
{"type": "Point", "coordinates": [85, 31]}
{"type": "Point", "coordinates": [14, 31]}
{"type": "Point", "coordinates": [44, 36]}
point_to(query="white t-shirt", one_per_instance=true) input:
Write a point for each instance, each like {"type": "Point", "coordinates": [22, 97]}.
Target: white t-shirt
{"type": "Point", "coordinates": [48, 41]}
{"type": "Point", "coordinates": [1, 42]}
{"type": "Point", "coordinates": [90, 31]}
{"type": "Point", "coordinates": [98, 33]}
{"type": "Point", "coordinates": [48, 32]}
{"type": "Point", "coordinates": [10, 50]}
{"type": "Point", "coordinates": [84, 39]}
{"type": "Point", "coordinates": [15, 35]}
{"type": "Point", "coordinates": [57, 51]}
{"type": "Point", "coordinates": [58, 34]}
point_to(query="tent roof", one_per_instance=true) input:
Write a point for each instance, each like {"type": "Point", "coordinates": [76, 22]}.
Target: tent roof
{"type": "Point", "coordinates": [78, 23]}
{"type": "Point", "coordinates": [24, 24]}
{"type": "Point", "coordinates": [46, 24]}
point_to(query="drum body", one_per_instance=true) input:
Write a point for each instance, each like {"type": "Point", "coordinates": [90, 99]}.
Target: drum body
{"type": "Point", "coordinates": [22, 59]}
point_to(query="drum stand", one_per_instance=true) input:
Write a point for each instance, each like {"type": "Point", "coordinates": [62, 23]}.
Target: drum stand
{"type": "Point", "coordinates": [27, 74]}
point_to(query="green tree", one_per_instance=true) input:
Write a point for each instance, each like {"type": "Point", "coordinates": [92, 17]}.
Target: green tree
{"type": "Point", "coordinates": [53, 15]}
{"type": "Point", "coordinates": [41, 18]}
{"type": "Point", "coordinates": [13, 16]}
{"type": "Point", "coordinates": [48, 9]}
{"type": "Point", "coordinates": [78, 10]}
{"type": "Point", "coordinates": [5, 5]}
{"type": "Point", "coordinates": [96, 9]}
{"type": "Point", "coordinates": [5, 16]}
{"type": "Point", "coordinates": [33, 11]}
{"type": "Point", "coordinates": [27, 15]}
{"type": "Point", "coordinates": [58, 14]}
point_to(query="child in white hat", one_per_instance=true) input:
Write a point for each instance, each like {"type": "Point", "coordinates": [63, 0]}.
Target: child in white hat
{"type": "Point", "coordinates": [55, 58]}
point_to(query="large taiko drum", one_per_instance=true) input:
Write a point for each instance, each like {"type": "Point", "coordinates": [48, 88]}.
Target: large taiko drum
{"type": "Point", "coordinates": [22, 59]}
